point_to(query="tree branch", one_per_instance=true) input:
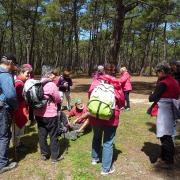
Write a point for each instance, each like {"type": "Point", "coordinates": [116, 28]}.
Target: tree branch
{"type": "Point", "coordinates": [131, 6]}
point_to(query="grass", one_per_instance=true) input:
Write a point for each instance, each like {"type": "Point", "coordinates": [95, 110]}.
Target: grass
{"type": "Point", "coordinates": [135, 141]}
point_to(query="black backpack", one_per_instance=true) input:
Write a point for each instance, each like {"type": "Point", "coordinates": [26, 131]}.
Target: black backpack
{"type": "Point", "coordinates": [63, 126]}
{"type": "Point", "coordinates": [34, 94]}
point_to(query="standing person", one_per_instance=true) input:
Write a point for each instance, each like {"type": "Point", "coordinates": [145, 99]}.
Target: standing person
{"type": "Point", "coordinates": [106, 129]}
{"type": "Point", "coordinates": [166, 90]}
{"type": "Point", "coordinates": [31, 76]}
{"type": "Point", "coordinates": [125, 80]}
{"type": "Point", "coordinates": [65, 83]}
{"type": "Point", "coordinates": [100, 71]}
{"type": "Point", "coordinates": [175, 70]}
{"type": "Point", "coordinates": [8, 103]}
{"type": "Point", "coordinates": [47, 119]}
{"type": "Point", "coordinates": [21, 114]}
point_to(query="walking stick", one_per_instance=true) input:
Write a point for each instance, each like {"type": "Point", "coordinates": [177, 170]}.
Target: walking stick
{"type": "Point", "coordinates": [14, 139]}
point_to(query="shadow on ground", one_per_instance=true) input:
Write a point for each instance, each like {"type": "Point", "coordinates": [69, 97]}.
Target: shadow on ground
{"type": "Point", "coordinates": [152, 151]}
{"type": "Point", "coordinates": [152, 127]}
{"type": "Point", "coordinates": [143, 87]}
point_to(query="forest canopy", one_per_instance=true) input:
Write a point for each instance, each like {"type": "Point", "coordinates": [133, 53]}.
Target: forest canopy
{"type": "Point", "coordinates": [80, 34]}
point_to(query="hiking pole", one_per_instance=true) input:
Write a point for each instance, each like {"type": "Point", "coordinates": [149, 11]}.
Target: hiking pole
{"type": "Point", "coordinates": [14, 139]}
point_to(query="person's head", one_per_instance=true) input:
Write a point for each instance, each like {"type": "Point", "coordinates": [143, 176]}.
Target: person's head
{"type": "Point", "coordinates": [28, 66]}
{"type": "Point", "coordinates": [24, 72]}
{"type": "Point", "coordinates": [56, 72]}
{"type": "Point", "coordinates": [163, 69]}
{"type": "Point", "coordinates": [100, 69]}
{"type": "Point", "coordinates": [110, 69]}
{"type": "Point", "coordinates": [79, 104]}
{"type": "Point", "coordinates": [8, 61]}
{"type": "Point", "coordinates": [123, 69]}
{"type": "Point", "coordinates": [66, 74]}
{"type": "Point", "coordinates": [47, 72]}
{"type": "Point", "coordinates": [175, 65]}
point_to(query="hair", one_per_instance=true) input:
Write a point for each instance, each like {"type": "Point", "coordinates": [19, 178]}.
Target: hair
{"type": "Point", "coordinates": [47, 70]}
{"type": "Point", "coordinates": [110, 69]}
{"type": "Point", "coordinates": [8, 59]}
{"type": "Point", "coordinates": [123, 68]}
{"type": "Point", "coordinates": [163, 67]}
{"type": "Point", "coordinates": [23, 69]}
{"type": "Point", "coordinates": [56, 72]}
{"type": "Point", "coordinates": [66, 73]}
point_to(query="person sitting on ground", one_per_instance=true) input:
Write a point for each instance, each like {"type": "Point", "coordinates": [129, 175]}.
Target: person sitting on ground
{"type": "Point", "coordinates": [166, 90]}
{"type": "Point", "coordinates": [8, 103]}
{"type": "Point", "coordinates": [79, 111]}
{"type": "Point", "coordinates": [125, 80]}
{"type": "Point", "coordinates": [65, 82]}
{"type": "Point", "coordinates": [21, 114]}
{"type": "Point", "coordinates": [47, 117]}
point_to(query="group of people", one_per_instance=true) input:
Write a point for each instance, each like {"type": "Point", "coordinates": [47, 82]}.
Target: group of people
{"type": "Point", "coordinates": [14, 108]}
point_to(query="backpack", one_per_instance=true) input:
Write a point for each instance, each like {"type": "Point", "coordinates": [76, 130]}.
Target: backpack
{"type": "Point", "coordinates": [62, 123]}
{"type": "Point", "coordinates": [102, 101]}
{"type": "Point", "coordinates": [34, 94]}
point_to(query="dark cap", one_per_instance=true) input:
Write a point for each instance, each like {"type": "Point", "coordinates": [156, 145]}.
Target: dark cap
{"type": "Point", "coordinates": [9, 57]}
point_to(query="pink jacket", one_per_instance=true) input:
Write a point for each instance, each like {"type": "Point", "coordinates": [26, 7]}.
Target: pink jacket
{"type": "Point", "coordinates": [50, 110]}
{"type": "Point", "coordinates": [125, 80]}
{"type": "Point", "coordinates": [114, 121]}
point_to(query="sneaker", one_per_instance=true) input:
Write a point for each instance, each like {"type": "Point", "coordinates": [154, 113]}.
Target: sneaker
{"type": "Point", "coordinates": [44, 157]}
{"type": "Point", "coordinates": [94, 161]}
{"type": "Point", "coordinates": [123, 108]}
{"type": "Point", "coordinates": [57, 160]}
{"type": "Point", "coordinates": [9, 167]}
{"type": "Point", "coordinates": [127, 109]}
{"type": "Point", "coordinates": [163, 165]}
{"type": "Point", "coordinates": [112, 170]}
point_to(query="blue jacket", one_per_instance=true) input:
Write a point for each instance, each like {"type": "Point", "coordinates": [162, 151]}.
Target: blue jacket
{"type": "Point", "coordinates": [7, 89]}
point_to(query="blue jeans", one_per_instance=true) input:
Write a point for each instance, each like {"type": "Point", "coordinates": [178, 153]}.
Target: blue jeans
{"type": "Point", "coordinates": [5, 135]}
{"type": "Point", "coordinates": [108, 134]}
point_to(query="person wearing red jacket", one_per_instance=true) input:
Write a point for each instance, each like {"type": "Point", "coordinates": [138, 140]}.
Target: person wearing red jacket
{"type": "Point", "coordinates": [106, 129]}
{"type": "Point", "coordinates": [125, 80]}
{"type": "Point", "coordinates": [21, 114]}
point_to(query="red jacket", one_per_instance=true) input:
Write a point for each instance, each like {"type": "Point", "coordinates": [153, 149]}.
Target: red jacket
{"type": "Point", "coordinates": [172, 90]}
{"type": "Point", "coordinates": [114, 121]}
{"type": "Point", "coordinates": [21, 114]}
{"type": "Point", "coordinates": [125, 80]}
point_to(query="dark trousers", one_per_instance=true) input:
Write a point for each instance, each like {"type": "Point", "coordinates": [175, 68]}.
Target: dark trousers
{"type": "Point", "coordinates": [126, 95]}
{"type": "Point", "coordinates": [48, 126]}
{"type": "Point", "coordinates": [5, 135]}
{"type": "Point", "coordinates": [167, 149]}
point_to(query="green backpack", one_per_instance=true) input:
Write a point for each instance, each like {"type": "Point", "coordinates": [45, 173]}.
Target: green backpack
{"type": "Point", "coordinates": [102, 101]}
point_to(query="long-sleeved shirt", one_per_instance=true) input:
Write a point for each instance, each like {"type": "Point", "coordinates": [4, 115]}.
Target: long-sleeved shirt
{"type": "Point", "coordinates": [7, 89]}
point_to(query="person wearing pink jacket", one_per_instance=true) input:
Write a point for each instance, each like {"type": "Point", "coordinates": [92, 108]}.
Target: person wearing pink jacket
{"type": "Point", "coordinates": [47, 119]}
{"type": "Point", "coordinates": [125, 80]}
{"type": "Point", "coordinates": [104, 131]}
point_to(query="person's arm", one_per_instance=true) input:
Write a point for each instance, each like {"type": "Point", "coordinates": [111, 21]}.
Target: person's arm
{"type": "Point", "coordinates": [51, 90]}
{"type": "Point", "coordinates": [83, 116]}
{"type": "Point", "coordinates": [159, 90]}
{"type": "Point", "coordinates": [124, 78]}
{"type": "Point", "coordinates": [9, 92]}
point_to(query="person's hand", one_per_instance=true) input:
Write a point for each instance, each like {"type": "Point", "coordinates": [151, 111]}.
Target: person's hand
{"type": "Point", "coordinates": [65, 84]}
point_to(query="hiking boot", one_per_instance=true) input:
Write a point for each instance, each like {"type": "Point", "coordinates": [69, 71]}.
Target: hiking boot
{"type": "Point", "coordinates": [127, 109]}
{"type": "Point", "coordinates": [57, 160]}
{"type": "Point", "coordinates": [9, 167]}
{"type": "Point", "coordinates": [112, 170]}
